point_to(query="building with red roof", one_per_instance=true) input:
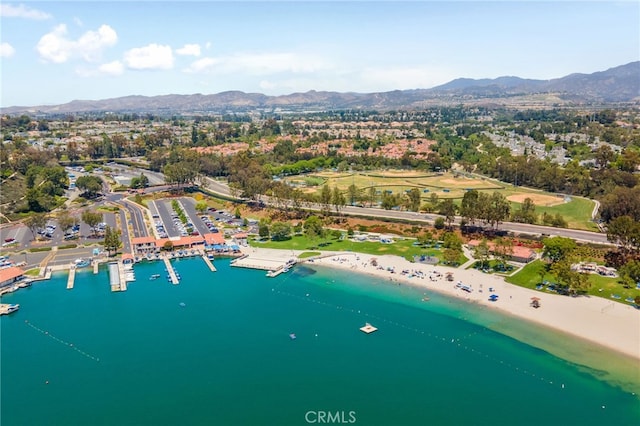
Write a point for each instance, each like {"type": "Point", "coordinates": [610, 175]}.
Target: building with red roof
{"type": "Point", "coordinates": [10, 275]}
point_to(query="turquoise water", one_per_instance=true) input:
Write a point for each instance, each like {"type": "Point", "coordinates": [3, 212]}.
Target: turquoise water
{"type": "Point", "coordinates": [215, 350]}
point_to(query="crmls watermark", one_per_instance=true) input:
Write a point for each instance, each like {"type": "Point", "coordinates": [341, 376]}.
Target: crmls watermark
{"type": "Point", "coordinates": [330, 417]}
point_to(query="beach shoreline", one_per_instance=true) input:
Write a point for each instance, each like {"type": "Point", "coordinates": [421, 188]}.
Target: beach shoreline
{"type": "Point", "coordinates": [605, 323]}
{"type": "Point", "coordinates": [608, 324]}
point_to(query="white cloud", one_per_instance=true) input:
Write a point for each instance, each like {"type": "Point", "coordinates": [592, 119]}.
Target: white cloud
{"type": "Point", "coordinates": [57, 47]}
{"type": "Point", "coordinates": [152, 56]}
{"type": "Point", "coordinates": [112, 68]}
{"type": "Point", "coordinates": [6, 50]}
{"type": "Point", "coordinates": [22, 11]}
{"type": "Point", "coordinates": [189, 50]}
{"type": "Point", "coordinates": [260, 64]}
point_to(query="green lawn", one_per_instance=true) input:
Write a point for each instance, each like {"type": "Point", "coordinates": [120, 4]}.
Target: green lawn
{"type": "Point", "coordinates": [404, 248]}
{"type": "Point", "coordinates": [605, 287]}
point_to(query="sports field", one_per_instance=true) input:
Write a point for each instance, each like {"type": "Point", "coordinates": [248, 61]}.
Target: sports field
{"type": "Point", "coordinates": [576, 211]}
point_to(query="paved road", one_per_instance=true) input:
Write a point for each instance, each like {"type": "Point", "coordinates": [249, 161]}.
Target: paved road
{"type": "Point", "coordinates": [585, 236]}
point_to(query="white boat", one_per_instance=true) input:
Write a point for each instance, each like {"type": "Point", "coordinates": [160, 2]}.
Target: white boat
{"type": "Point", "coordinates": [271, 274]}
{"type": "Point", "coordinates": [154, 277]}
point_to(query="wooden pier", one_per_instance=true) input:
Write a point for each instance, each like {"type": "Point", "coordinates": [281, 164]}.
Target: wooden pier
{"type": "Point", "coordinates": [172, 273]}
{"type": "Point", "coordinates": [96, 264]}
{"type": "Point", "coordinates": [72, 277]}
{"type": "Point", "coordinates": [209, 263]}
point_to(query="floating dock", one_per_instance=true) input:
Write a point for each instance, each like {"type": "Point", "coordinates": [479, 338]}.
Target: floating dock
{"type": "Point", "coordinates": [263, 264]}
{"type": "Point", "coordinates": [122, 276]}
{"type": "Point", "coordinates": [96, 264]}
{"type": "Point", "coordinates": [72, 277]}
{"type": "Point", "coordinates": [209, 263]}
{"type": "Point", "coordinates": [114, 276]}
{"type": "Point", "coordinates": [368, 328]}
{"type": "Point", "coordinates": [172, 273]}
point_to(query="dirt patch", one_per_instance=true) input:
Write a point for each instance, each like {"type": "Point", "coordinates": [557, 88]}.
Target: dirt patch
{"type": "Point", "coordinates": [538, 199]}
{"type": "Point", "coordinates": [461, 182]}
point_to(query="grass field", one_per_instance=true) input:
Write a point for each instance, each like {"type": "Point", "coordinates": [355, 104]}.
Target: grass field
{"type": "Point", "coordinates": [404, 248]}
{"type": "Point", "coordinates": [604, 287]}
{"type": "Point", "coordinates": [576, 211]}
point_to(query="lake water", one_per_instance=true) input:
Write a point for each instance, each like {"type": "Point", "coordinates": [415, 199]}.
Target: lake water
{"type": "Point", "coordinates": [215, 350]}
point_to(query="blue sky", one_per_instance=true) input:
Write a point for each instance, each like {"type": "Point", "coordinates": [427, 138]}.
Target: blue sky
{"type": "Point", "coordinates": [57, 51]}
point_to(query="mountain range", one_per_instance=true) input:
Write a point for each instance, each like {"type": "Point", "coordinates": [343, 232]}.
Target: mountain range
{"type": "Point", "coordinates": [616, 85]}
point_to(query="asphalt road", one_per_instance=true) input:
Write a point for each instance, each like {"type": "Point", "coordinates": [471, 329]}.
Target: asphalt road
{"type": "Point", "coordinates": [521, 228]}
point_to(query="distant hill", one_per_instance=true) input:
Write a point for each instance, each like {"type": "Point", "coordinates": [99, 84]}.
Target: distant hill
{"type": "Point", "coordinates": [615, 85]}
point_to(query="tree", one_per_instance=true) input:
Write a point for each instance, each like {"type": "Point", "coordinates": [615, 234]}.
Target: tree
{"type": "Point", "coordinates": [66, 221]}
{"type": "Point", "coordinates": [439, 223]}
{"type": "Point", "coordinates": [630, 272]}
{"type": "Point", "coordinates": [325, 199]}
{"type": "Point", "coordinates": [168, 245]}
{"type": "Point", "coordinates": [482, 253]}
{"type": "Point", "coordinates": [452, 241]}
{"type": "Point", "coordinates": [414, 199]}
{"type": "Point", "coordinates": [352, 193]}
{"type": "Point", "coordinates": [557, 249]}
{"type": "Point", "coordinates": [372, 195]}
{"type": "Point", "coordinates": [625, 232]}
{"type": "Point", "coordinates": [469, 206]}
{"type": "Point", "coordinates": [112, 240]}
{"type": "Point", "coordinates": [90, 184]}
{"type": "Point", "coordinates": [526, 213]}
{"type": "Point", "coordinates": [451, 256]}
{"type": "Point", "coordinates": [263, 229]}
{"type": "Point", "coordinates": [425, 238]}
{"type": "Point", "coordinates": [572, 282]}
{"type": "Point", "coordinates": [201, 207]}
{"type": "Point", "coordinates": [313, 227]}
{"type": "Point", "coordinates": [141, 181]}
{"type": "Point", "coordinates": [448, 210]}
{"type": "Point", "coordinates": [337, 199]}
{"type": "Point", "coordinates": [92, 219]}
{"type": "Point", "coordinates": [35, 222]}
{"type": "Point", "coordinates": [280, 231]}
{"type": "Point", "coordinates": [499, 209]}
{"type": "Point", "coordinates": [503, 250]}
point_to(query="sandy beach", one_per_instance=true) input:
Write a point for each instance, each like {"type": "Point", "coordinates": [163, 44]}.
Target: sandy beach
{"type": "Point", "coordinates": [598, 320]}
{"type": "Point", "coordinates": [601, 321]}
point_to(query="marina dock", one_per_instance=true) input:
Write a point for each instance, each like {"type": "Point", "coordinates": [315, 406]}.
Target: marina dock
{"type": "Point", "coordinates": [264, 264]}
{"type": "Point", "coordinates": [117, 279]}
{"type": "Point", "coordinates": [114, 276]}
{"type": "Point", "coordinates": [96, 264]}
{"type": "Point", "coordinates": [172, 274]}
{"type": "Point", "coordinates": [209, 263]}
{"type": "Point", "coordinates": [122, 276]}
{"type": "Point", "coordinates": [72, 277]}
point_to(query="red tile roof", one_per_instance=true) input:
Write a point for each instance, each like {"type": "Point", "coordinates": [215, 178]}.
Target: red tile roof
{"type": "Point", "coordinates": [10, 273]}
